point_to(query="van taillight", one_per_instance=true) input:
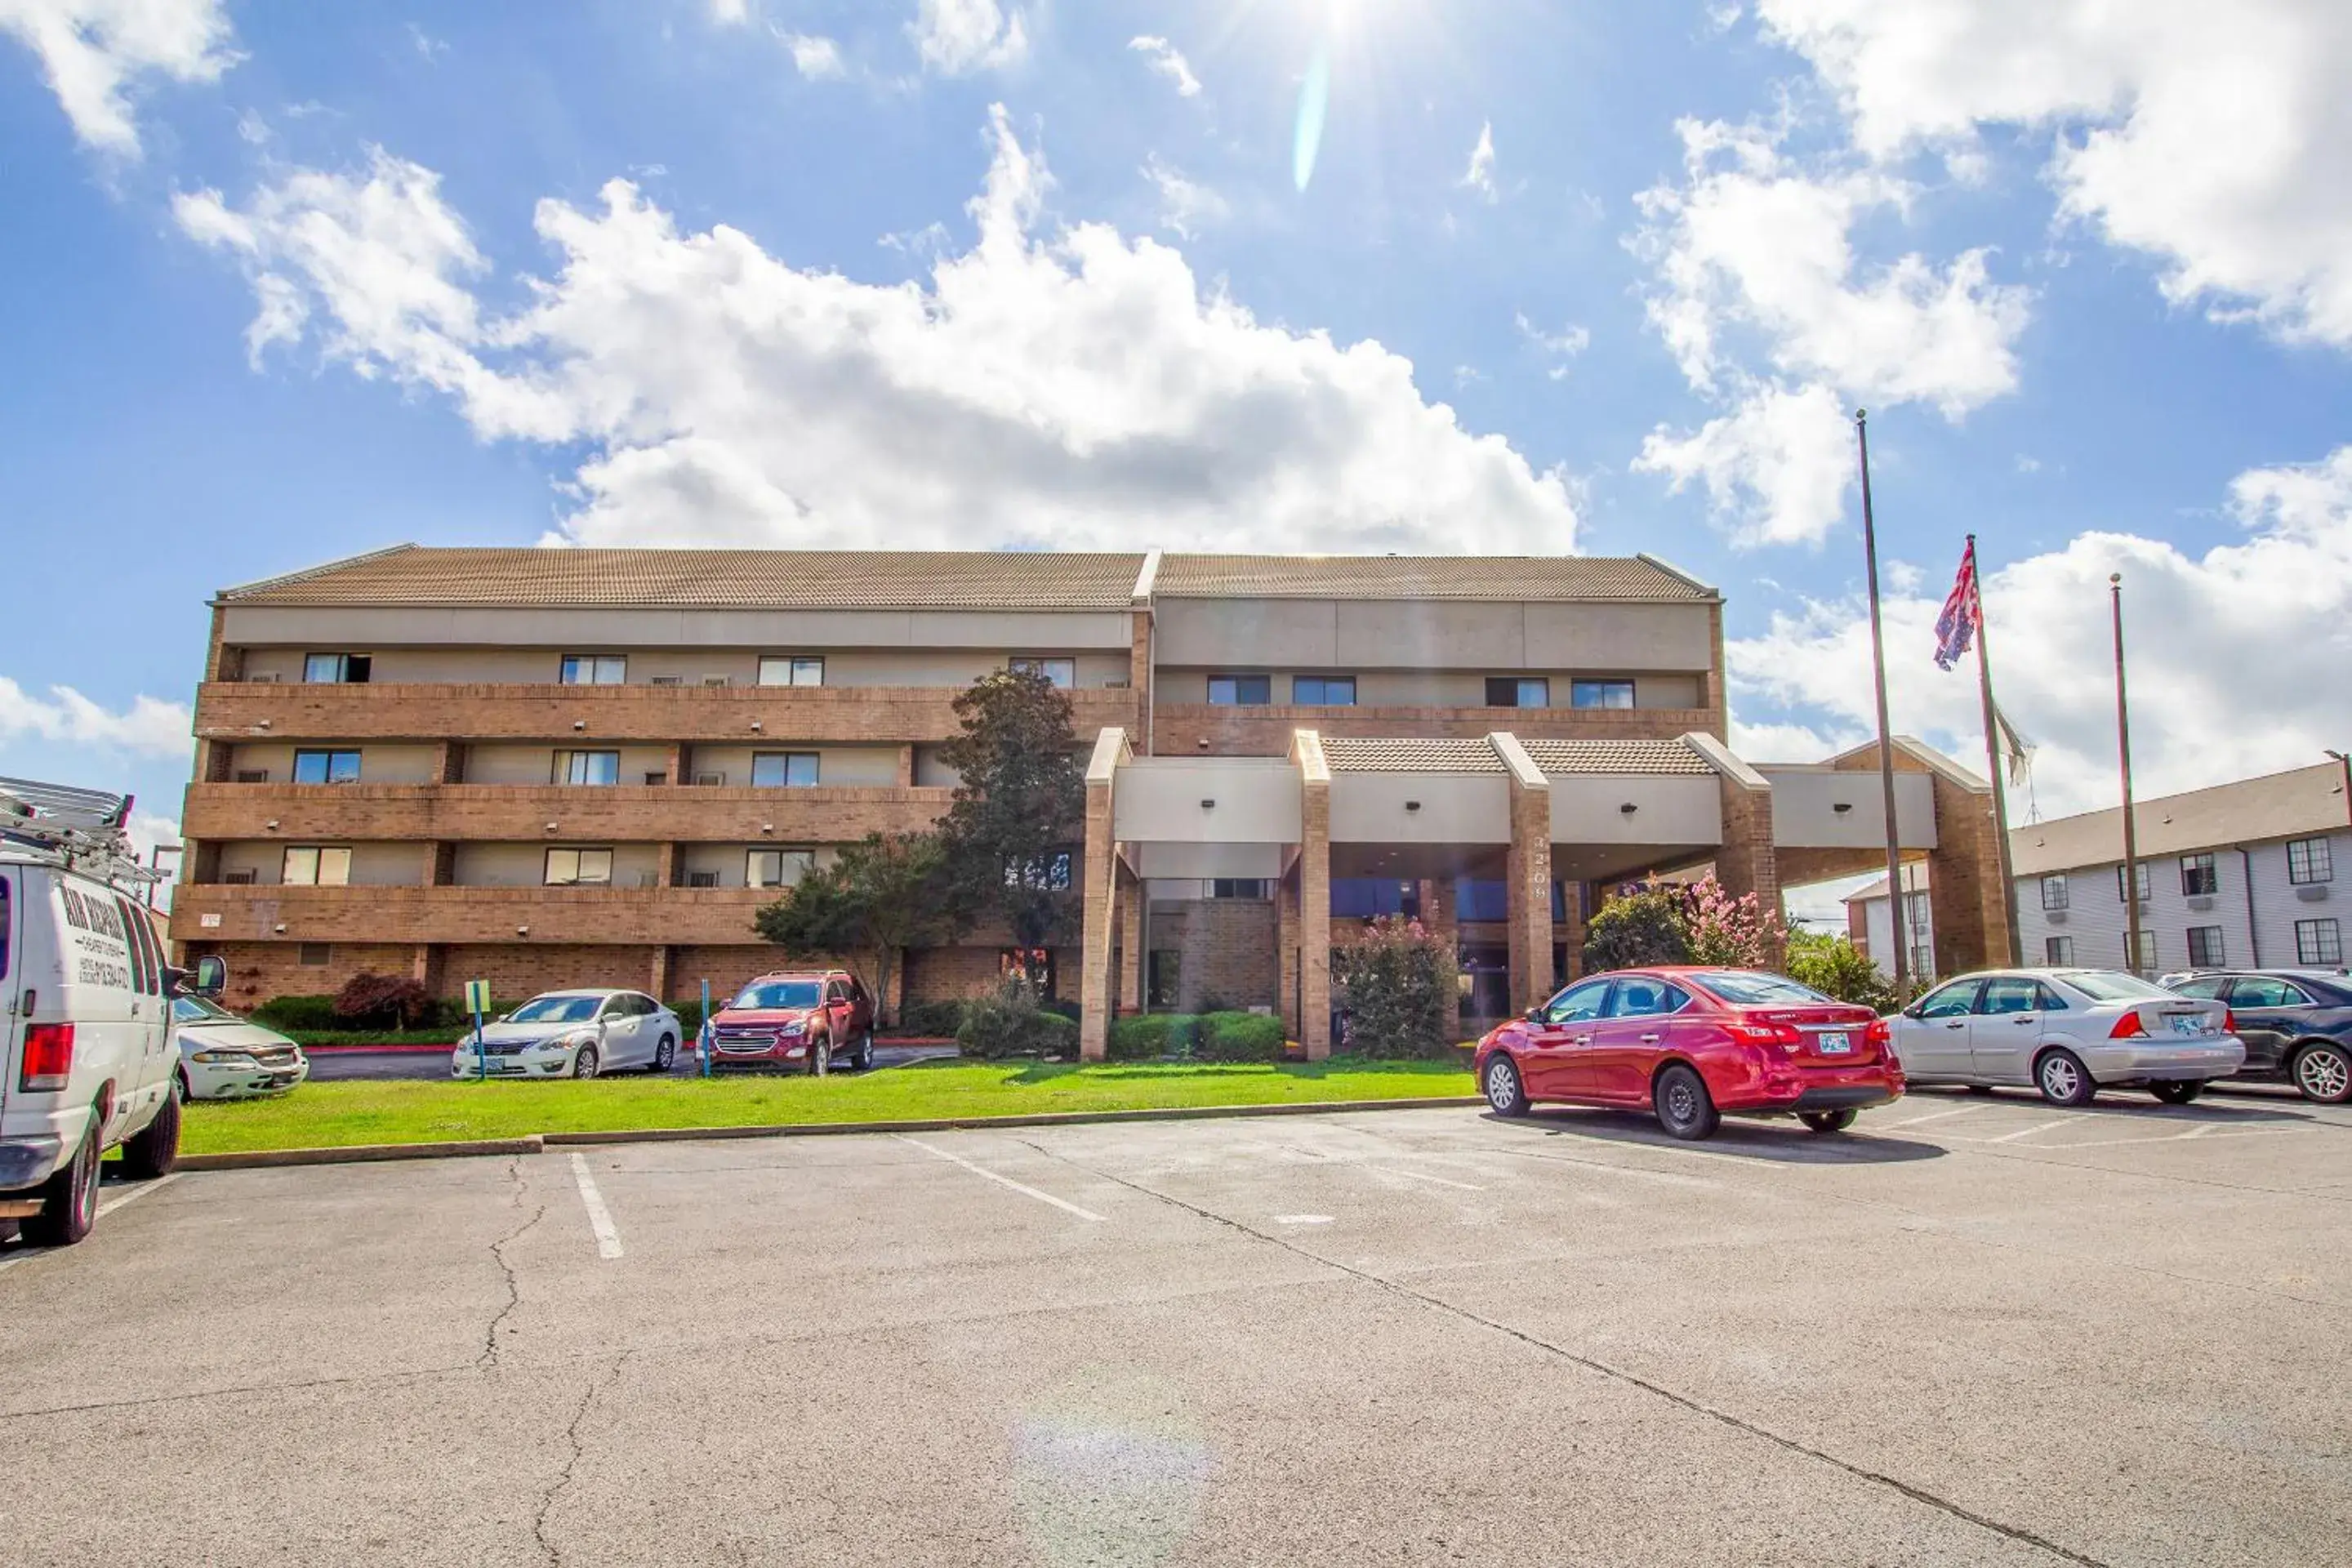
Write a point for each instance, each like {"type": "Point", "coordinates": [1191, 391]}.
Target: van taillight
{"type": "Point", "coordinates": [48, 1057]}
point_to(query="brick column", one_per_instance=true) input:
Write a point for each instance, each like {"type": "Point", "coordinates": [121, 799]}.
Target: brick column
{"type": "Point", "coordinates": [1527, 874]}
{"type": "Point", "coordinates": [670, 871]}
{"type": "Point", "coordinates": [1131, 942]}
{"type": "Point", "coordinates": [450, 762]}
{"type": "Point", "coordinates": [424, 967]}
{"type": "Point", "coordinates": [1314, 894]}
{"type": "Point", "coordinates": [1285, 926]}
{"type": "Point", "coordinates": [1100, 896]}
{"type": "Point", "coordinates": [441, 865]}
{"type": "Point", "coordinates": [906, 767]}
{"type": "Point", "coordinates": [1439, 912]}
{"type": "Point", "coordinates": [1745, 861]}
{"type": "Point", "coordinates": [1967, 905]}
{"type": "Point", "coordinates": [658, 981]}
{"type": "Point", "coordinates": [680, 761]}
{"type": "Point", "coordinates": [1571, 933]}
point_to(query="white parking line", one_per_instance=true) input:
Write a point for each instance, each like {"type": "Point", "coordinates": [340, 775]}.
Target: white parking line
{"type": "Point", "coordinates": [2029, 1131]}
{"type": "Point", "coordinates": [1915, 1121]}
{"type": "Point", "coordinates": [104, 1208]}
{"type": "Point", "coordinates": [999, 1181]}
{"type": "Point", "coordinates": [1418, 1176]}
{"type": "Point", "coordinates": [599, 1218]}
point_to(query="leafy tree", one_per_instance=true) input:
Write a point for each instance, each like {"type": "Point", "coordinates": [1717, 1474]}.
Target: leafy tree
{"type": "Point", "coordinates": [1643, 925]}
{"type": "Point", "coordinates": [1834, 966]}
{"type": "Point", "coordinates": [1735, 932]}
{"type": "Point", "coordinates": [1393, 984]}
{"type": "Point", "coordinates": [1020, 811]}
{"type": "Point", "coordinates": [883, 895]}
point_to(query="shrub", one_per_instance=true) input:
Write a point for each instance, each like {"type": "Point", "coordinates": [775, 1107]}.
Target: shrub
{"type": "Point", "coordinates": [1834, 966]}
{"type": "Point", "coordinates": [1640, 927]}
{"type": "Point", "coordinates": [1735, 932]}
{"type": "Point", "coordinates": [385, 1001]}
{"type": "Point", "coordinates": [932, 1020]}
{"type": "Point", "coordinates": [1239, 1037]}
{"type": "Point", "coordinates": [1009, 1022]}
{"type": "Point", "coordinates": [1225, 1036]}
{"type": "Point", "coordinates": [1394, 984]}
{"type": "Point", "coordinates": [1149, 1037]}
{"type": "Point", "coordinates": [305, 1014]}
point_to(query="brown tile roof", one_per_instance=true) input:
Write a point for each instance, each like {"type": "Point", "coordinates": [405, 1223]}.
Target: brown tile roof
{"type": "Point", "coordinates": [1410, 756]}
{"type": "Point", "coordinates": [1616, 757]}
{"type": "Point", "coordinates": [1505, 578]}
{"type": "Point", "coordinates": [715, 578]}
{"type": "Point", "coordinates": [2302, 803]}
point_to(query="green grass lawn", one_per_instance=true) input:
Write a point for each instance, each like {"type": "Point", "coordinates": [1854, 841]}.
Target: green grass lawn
{"type": "Point", "coordinates": [332, 1115]}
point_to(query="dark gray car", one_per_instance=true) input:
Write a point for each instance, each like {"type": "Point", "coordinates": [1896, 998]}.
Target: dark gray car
{"type": "Point", "coordinates": [2296, 1022]}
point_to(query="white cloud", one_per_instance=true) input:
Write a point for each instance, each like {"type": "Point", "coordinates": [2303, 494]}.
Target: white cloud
{"type": "Point", "coordinates": [2214, 138]}
{"type": "Point", "coordinates": [150, 727]}
{"type": "Point", "coordinates": [1165, 59]}
{"type": "Point", "coordinates": [730, 13]}
{"type": "Point", "coordinates": [1479, 177]}
{"type": "Point", "coordinates": [815, 57]}
{"type": "Point", "coordinates": [1186, 205]}
{"type": "Point", "coordinates": [94, 50]}
{"type": "Point", "coordinates": [956, 37]}
{"type": "Point", "coordinates": [1561, 346]}
{"type": "Point", "coordinates": [1753, 255]}
{"type": "Point", "coordinates": [1071, 387]}
{"type": "Point", "coordinates": [2267, 613]}
{"type": "Point", "coordinates": [426, 43]}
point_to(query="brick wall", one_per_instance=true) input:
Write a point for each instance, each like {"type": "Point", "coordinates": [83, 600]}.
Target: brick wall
{"type": "Point", "coordinates": [258, 971]}
{"type": "Point", "coordinates": [1225, 951]}
{"type": "Point", "coordinates": [518, 970]}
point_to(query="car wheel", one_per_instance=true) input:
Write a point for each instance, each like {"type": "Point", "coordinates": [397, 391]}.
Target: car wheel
{"type": "Point", "coordinates": [180, 1085]}
{"type": "Point", "coordinates": [1504, 1092]}
{"type": "Point", "coordinates": [1684, 1108]}
{"type": "Point", "coordinates": [2177, 1093]}
{"type": "Point", "coordinates": [584, 1064]}
{"type": "Point", "coordinates": [2324, 1072]}
{"type": "Point", "coordinates": [152, 1152]}
{"type": "Point", "coordinates": [820, 1057]}
{"type": "Point", "coordinates": [865, 1058]}
{"type": "Point", "coordinates": [69, 1198]}
{"type": "Point", "coordinates": [1826, 1121]}
{"type": "Point", "coordinates": [664, 1054]}
{"type": "Point", "coordinates": [2064, 1080]}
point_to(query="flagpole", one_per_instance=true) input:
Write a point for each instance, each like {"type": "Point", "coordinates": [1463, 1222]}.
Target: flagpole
{"type": "Point", "coordinates": [2131, 828]}
{"type": "Point", "coordinates": [1899, 921]}
{"type": "Point", "coordinates": [1992, 760]}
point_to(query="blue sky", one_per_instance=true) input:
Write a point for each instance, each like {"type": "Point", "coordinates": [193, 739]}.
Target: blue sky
{"type": "Point", "coordinates": [291, 282]}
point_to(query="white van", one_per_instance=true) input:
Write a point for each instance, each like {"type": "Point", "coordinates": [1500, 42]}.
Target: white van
{"type": "Point", "coordinates": [86, 1062]}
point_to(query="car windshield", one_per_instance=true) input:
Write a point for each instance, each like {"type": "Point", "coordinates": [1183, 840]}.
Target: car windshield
{"type": "Point", "coordinates": [1752, 987]}
{"type": "Point", "coordinates": [2114, 985]}
{"type": "Point", "coordinates": [197, 1010]}
{"type": "Point", "coordinates": [556, 1010]}
{"type": "Point", "coordinates": [779, 994]}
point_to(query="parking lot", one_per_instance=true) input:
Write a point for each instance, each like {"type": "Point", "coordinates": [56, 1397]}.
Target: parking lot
{"type": "Point", "coordinates": [1976, 1332]}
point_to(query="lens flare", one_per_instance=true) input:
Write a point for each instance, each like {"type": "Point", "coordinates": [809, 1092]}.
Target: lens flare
{"type": "Point", "coordinates": [1314, 98]}
{"type": "Point", "coordinates": [1110, 1467]}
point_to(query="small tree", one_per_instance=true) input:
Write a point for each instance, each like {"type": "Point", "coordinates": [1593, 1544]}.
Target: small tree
{"type": "Point", "coordinates": [1393, 984]}
{"type": "Point", "coordinates": [1734, 932]}
{"type": "Point", "coordinates": [1018, 812]}
{"type": "Point", "coordinates": [883, 895]}
{"type": "Point", "coordinates": [1835, 967]}
{"type": "Point", "coordinates": [1643, 925]}
{"type": "Point", "coordinates": [380, 1000]}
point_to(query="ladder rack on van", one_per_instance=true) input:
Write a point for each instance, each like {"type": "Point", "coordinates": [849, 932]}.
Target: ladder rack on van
{"type": "Point", "coordinates": [85, 829]}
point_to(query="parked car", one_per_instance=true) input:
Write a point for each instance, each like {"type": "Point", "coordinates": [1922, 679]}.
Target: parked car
{"type": "Point", "coordinates": [573, 1034]}
{"type": "Point", "coordinates": [2067, 1032]}
{"type": "Point", "coordinates": [2295, 1023]}
{"type": "Point", "coordinates": [1692, 1044]}
{"type": "Point", "coordinates": [224, 1056]}
{"type": "Point", "coordinates": [801, 1017]}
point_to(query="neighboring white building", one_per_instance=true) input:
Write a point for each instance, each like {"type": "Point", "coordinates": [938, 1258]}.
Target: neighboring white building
{"type": "Point", "coordinates": [2241, 874]}
{"type": "Point", "coordinates": [1867, 914]}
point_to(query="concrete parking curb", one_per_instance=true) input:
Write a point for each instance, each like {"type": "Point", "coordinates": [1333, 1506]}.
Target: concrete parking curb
{"type": "Point", "coordinates": [537, 1142]}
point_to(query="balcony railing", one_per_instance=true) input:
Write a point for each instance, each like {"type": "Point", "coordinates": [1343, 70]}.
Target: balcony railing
{"type": "Point", "coordinates": [620, 813]}
{"type": "Point", "coordinates": [252, 711]}
{"type": "Point", "coordinates": [626, 916]}
{"type": "Point", "coordinates": [1180, 728]}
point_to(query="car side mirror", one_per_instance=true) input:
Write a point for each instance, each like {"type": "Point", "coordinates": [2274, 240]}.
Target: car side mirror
{"type": "Point", "coordinates": [208, 977]}
{"type": "Point", "coordinates": [1915, 1011]}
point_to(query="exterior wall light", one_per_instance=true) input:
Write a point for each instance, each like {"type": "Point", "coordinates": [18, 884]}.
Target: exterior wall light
{"type": "Point", "coordinates": [1629, 808]}
{"type": "Point", "coordinates": [1842, 806]}
{"type": "Point", "coordinates": [279, 927]}
{"type": "Point", "coordinates": [1208, 806]}
{"type": "Point", "coordinates": [262, 724]}
{"type": "Point", "coordinates": [767, 827]}
{"type": "Point", "coordinates": [550, 827]}
{"type": "Point", "coordinates": [523, 931]}
{"type": "Point", "coordinates": [580, 723]}
{"type": "Point", "coordinates": [1412, 806]}
{"type": "Point", "coordinates": [271, 825]}
{"type": "Point", "coordinates": [755, 726]}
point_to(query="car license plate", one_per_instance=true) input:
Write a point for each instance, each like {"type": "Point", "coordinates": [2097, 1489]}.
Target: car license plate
{"type": "Point", "coordinates": [2188, 1026]}
{"type": "Point", "coordinates": [1836, 1044]}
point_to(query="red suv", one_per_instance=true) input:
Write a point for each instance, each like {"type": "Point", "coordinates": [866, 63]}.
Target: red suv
{"type": "Point", "coordinates": [799, 1017]}
{"type": "Point", "coordinates": [1694, 1045]}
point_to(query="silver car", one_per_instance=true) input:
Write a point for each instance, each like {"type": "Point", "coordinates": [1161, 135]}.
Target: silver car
{"type": "Point", "coordinates": [573, 1033]}
{"type": "Point", "coordinates": [2067, 1032]}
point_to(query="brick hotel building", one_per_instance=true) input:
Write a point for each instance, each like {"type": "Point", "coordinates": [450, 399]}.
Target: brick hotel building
{"type": "Point", "coordinates": [558, 768]}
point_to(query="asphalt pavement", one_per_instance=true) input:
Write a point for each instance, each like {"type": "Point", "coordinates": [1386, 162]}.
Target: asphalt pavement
{"type": "Point", "coordinates": [1977, 1331]}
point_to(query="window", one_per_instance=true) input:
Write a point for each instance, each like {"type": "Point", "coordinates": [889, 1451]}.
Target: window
{"type": "Point", "coordinates": [1515, 692]}
{"type": "Point", "coordinates": [587, 767]}
{"type": "Point", "coordinates": [1755, 988]}
{"type": "Point", "coordinates": [314, 954]}
{"type": "Point", "coordinates": [1324, 691]}
{"type": "Point", "coordinates": [337, 668]}
{"type": "Point", "coordinates": [1481, 899]}
{"type": "Point", "coordinates": [783, 770]}
{"type": "Point", "coordinates": [2139, 881]}
{"type": "Point", "coordinates": [2266, 993]}
{"type": "Point", "coordinates": [2198, 876]}
{"type": "Point", "coordinates": [2054, 891]}
{"type": "Point", "coordinates": [2317, 942]}
{"type": "Point", "coordinates": [309, 865]}
{"type": "Point", "coordinates": [1642, 998]}
{"type": "Point", "coordinates": [1048, 873]}
{"type": "Point", "coordinates": [2146, 951]}
{"type": "Point", "coordinates": [1598, 694]}
{"type": "Point", "coordinates": [1954, 1001]}
{"type": "Point", "coordinates": [579, 868]}
{"type": "Point", "coordinates": [2058, 952]}
{"type": "Point", "coordinates": [1036, 964]}
{"type": "Point", "coordinates": [594, 668]}
{"type": "Point", "coordinates": [1579, 1003]}
{"type": "Point", "coordinates": [2109, 985]}
{"type": "Point", "coordinates": [778, 995]}
{"type": "Point", "coordinates": [1061, 673]}
{"type": "Point", "coordinates": [1361, 898]}
{"type": "Point", "coordinates": [2310, 861]}
{"type": "Point", "coordinates": [702, 879]}
{"type": "Point", "coordinates": [657, 778]}
{"type": "Point", "coordinates": [792, 670]}
{"type": "Point", "coordinates": [2208, 989]}
{"type": "Point", "coordinates": [1240, 888]}
{"type": "Point", "coordinates": [2006, 993]}
{"type": "Point", "coordinates": [253, 775]}
{"type": "Point", "coordinates": [777, 867]}
{"type": "Point", "coordinates": [1241, 691]}
{"type": "Point", "coordinates": [2205, 947]}
{"type": "Point", "coordinates": [326, 767]}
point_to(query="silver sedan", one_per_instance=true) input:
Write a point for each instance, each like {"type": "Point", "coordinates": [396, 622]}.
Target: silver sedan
{"type": "Point", "coordinates": [2067, 1032]}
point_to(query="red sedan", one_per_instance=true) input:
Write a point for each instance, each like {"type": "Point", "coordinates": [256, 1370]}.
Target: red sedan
{"type": "Point", "coordinates": [1694, 1045]}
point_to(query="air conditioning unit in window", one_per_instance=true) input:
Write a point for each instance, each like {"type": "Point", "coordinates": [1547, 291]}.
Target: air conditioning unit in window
{"type": "Point", "coordinates": [253, 775]}
{"type": "Point", "coordinates": [2312, 892]}
{"type": "Point", "coordinates": [2055, 917]}
{"type": "Point", "coordinates": [711, 781]}
{"type": "Point", "coordinates": [238, 879]}
{"type": "Point", "coordinates": [669, 680]}
{"type": "Point", "coordinates": [702, 879]}
{"type": "Point", "coordinates": [2200, 900]}
{"type": "Point", "coordinates": [1114, 686]}
{"type": "Point", "coordinates": [271, 679]}
{"type": "Point", "coordinates": [717, 680]}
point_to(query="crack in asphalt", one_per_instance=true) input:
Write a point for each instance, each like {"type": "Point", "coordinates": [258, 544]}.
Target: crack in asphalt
{"type": "Point", "coordinates": [2017, 1533]}
{"type": "Point", "coordinates": [548, 1549]}
{"type": "Point", "coordinates": [489, 1356]}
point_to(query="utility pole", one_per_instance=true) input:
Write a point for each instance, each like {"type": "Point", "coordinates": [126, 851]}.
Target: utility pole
{"type": "Point", "coordinates": [2131, 828]}
{"type": "Point", "coordinates": [1900, 923]}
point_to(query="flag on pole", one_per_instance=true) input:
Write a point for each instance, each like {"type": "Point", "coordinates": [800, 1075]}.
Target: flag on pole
{"type": "Point", "coordinates": [1956, 628]}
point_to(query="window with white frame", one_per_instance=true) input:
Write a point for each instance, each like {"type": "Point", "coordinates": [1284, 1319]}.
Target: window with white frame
{"type": "Point", "coordinates": [1061, 673]}
{"type": "Point", "coordinates": [2054, 891]}
{"type": "Point", "coordinates": [2198, 876]}
{"type": "Point", "coordinates": [1600, 694]}
{"type": "Point", "coordinates": [2058, 952]}
{"type": "Point", "coordinates": [792, 670]}
{"type": "Point", "coordinates": [316, 866]}
{"type": "Point", "coordinates": [579, 868]}
{"type": "Point", "coordinates": [777, 867]}
{"type": "Point", "coordinates": [2139, 881]}
{"type": "Point", "coordinates": [783, 770]}
{"type": "Point", "coordinates": [2310, 861]}
{"type": "Point", "coordinates": [2318, 942]}
{"type": "Point", "coordinates": [337, 668]}
{"type": "Point", "coordinates": [2205, 947]}
{"type": "Point", "coordinates": [2147, 963]}
{"type": "Point", "coordinates": [594, 668]}
{"type": "Point", "coordinates": [587, 767]}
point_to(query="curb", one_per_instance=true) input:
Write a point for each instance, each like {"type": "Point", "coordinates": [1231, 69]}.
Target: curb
{"type": "Point", "coordinates": [539, 1142]}
{"type": "Point", "coordinates": [382, 1050]}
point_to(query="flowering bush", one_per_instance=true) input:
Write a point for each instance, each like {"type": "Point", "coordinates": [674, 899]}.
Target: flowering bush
{"type": "Point", "coordinates": [1639, 927]}
{"type": "Point", "coordinates": [1393, 984]}
{"type": "Point", "coordinates": [1735, 932]}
